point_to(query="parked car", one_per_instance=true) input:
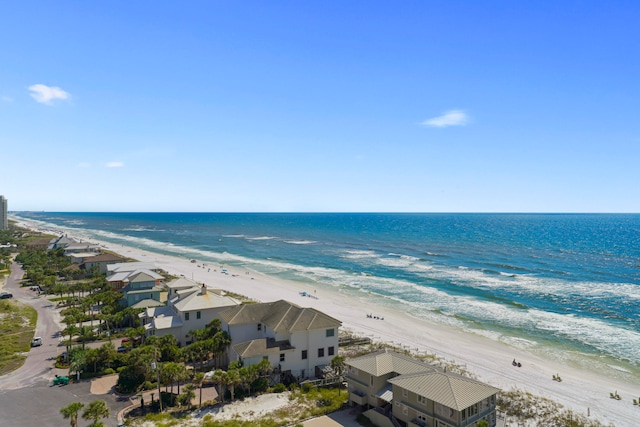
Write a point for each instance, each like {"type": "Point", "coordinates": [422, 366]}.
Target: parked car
{"type": "Point", "coordinates": [5, 295]}
{"type": "Point", "coordinates": [36, 342]}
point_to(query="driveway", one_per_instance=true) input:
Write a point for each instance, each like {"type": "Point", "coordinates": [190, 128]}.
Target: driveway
{"type": "Point", "coordinates": [27, 398]}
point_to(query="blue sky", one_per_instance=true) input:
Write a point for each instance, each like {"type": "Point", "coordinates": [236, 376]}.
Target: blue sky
{"type": "Point", "coordinates": [321, 106]}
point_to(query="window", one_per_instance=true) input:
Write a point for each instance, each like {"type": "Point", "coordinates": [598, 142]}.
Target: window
{"type": "Point", "coordinates": [330, 332]}
{"type": "Point", "coordinates": [321, 352]}
{"type": "Point", "coordinates": [472, 410]}
{"type": "Point", "coordinates": [405, 392]}
{"type": "Point", "coordinates": [405, 410]}
{"type": "Point", "coordinates": [421, 399]}
{"type": "Point", "coordinates": [282, 357]}
{"type": "Point", "coordinates": [304, 354]}
{"type": "Point", "coordinates": [259, 326]}
{"type": "Point", "coordinates": [197, 314]}
{"type": "Point", "coordinates": [371, 382]}
{"type": "Point", "coordinates": [186, 316]}
{"type": "Point", "coordinates": [331, 351]}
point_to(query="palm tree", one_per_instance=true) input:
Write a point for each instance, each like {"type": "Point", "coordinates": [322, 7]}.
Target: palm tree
{"type": "Point", "coordinates": [338, 366]}
{"type": "Point", "coordinates": [85, 333]}
{"type": "Point", "coordinates": [183, 374]}
{"type": "Point", "coordinates": [71, 412]}
{"type": "Point", "coordinates": [96, 410]}
{"type": "Point", "coordinates": [77, 359]}
{"type": "Point", "coordinates": [187, 395]}
{"type": "Point", "coordinates": [199, 380]}
{"type": "Point", "coordinates": [169, 374]}
{"type": "Point", "coordinates": [232, 380]}
{"type": "Point", "coordinates": [219, 378]}
{"type": "Point", "coordinates": [107, 353]}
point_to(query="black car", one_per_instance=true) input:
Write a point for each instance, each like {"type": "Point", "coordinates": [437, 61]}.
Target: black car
{"type": "Point", "coordinates": [5, 295]}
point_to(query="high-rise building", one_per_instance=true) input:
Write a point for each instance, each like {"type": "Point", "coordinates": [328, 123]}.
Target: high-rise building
{"type": "Point", "coordinates": [4, 219]}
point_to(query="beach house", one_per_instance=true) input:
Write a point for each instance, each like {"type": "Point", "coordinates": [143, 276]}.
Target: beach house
{"type": "Point", "coordinates": [138, 285]}
{"type": "Point", "coordinates": [100, 261]}
{"type": "Point", "coordinates": [397, 389]}
{"type": "Point", "coordinates": [190, 306]}
{"type": "Point", "coordinates": [298, 342]}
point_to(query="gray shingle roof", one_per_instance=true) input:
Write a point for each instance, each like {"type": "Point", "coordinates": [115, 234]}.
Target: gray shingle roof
{"type": "Point", "coordinates": [280, 316]}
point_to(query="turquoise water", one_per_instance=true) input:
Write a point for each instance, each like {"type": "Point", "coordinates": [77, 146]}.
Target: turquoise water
{"type": "Point", "coordinates": [564, 285]}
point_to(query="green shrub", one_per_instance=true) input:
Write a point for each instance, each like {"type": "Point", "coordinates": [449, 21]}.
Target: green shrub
{"type": "Point", "coordinates": [108, 371]}
{"type": "Point", "coordinates": [279, 388]}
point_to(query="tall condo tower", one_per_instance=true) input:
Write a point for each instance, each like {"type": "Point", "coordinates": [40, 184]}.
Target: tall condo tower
{"type": "Point", "coordinates": [4, 220]}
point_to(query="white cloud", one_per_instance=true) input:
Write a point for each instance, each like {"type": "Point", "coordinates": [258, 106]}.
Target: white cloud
{"type": "Point", "coordinates": [449, 118]}
{"type": "Point", "coordinates": [115, 164]}
{"type": "Point", "coordinates": [47, 94]}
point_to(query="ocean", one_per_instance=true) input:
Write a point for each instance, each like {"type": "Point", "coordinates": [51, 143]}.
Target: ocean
{"type": "Point", "coordinates": [564, 286]}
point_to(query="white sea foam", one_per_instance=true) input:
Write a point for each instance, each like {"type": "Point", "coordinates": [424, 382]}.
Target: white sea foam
{"type": "Point", "coordinates": [439, 306]}
{"type": "Point", "coordinates": [300, 242]}
{"type": "Point", "coordinates": [141, 228]}
{"type": "Point", "coordinates": [359, 254]}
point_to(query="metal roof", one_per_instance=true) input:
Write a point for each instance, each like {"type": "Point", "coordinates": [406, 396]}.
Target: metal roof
{"type": "Point", "coordinates": [384, 362]}
{"type": "Point", "coordinates": [452, 390]}
{"type": "Point", "coordinates": [386, 393]}
{"type": "Point", "coordinates": [198, 300]}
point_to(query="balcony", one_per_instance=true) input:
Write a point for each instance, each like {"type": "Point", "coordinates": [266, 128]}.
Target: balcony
{"type": "Point", "coordinates": [358, 397]}
{"type": "Point", "coordinates": [417, 423]}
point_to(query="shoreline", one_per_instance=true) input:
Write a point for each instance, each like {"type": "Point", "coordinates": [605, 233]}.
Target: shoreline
{"type": "Point", "coordinates": [583, 391]}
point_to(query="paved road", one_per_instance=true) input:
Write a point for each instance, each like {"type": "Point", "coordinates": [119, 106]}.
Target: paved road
{"type": "Point", "coordinates": [27, 398]}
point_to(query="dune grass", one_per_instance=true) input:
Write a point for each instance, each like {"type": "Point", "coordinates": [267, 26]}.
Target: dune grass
{"type": "Point", "coordinates": [17, 325]}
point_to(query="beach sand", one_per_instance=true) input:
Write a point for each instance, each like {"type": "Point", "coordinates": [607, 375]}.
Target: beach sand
{"type": "Point", "coordinates": [582, 391]}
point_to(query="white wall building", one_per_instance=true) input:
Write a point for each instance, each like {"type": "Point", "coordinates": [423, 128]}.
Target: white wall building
{"type": "Point", "coordinates": [190, 306]}
{"type": "Point", "coordinates": [296, 340]}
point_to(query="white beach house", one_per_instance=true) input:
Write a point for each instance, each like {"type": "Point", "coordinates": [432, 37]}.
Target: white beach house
{"type": "Point", "coordinates": [297, 341]}
{"type": "Point", "coordinates": [190, 306]}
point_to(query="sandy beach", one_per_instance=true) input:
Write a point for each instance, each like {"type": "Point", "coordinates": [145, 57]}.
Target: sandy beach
{"type": "Point", "coordinates": [582, 391]}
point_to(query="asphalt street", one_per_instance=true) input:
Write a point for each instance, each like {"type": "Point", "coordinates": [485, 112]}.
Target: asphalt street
{"type": "Point", "coordinates": [27, 397]}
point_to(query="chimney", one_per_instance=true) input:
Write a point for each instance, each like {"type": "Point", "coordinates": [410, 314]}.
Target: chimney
{"type": "Point", "coordinates": [203, 290]}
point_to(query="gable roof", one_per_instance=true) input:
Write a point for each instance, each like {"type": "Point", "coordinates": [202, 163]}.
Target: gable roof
{"type": "Point", "coordinates": [257, 347]}
{"type": "Point", "coordinates": [451, 390]}
{"type": "Point", "coordinates": [60, 242]}
{"type": "Point", "coordinates": [144, 276]}
{"type": "Point", "coordinates": [280, 316]}
{"type": "Point", "coordinates": [146, 303]}
{"type": "Point", "coordinates": [134, 276]}
{"type": "Point", "coordinates": [384, 362]}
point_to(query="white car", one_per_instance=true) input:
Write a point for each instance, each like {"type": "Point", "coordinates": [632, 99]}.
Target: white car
{"type": "Point", "coordinates": [36, 342]}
